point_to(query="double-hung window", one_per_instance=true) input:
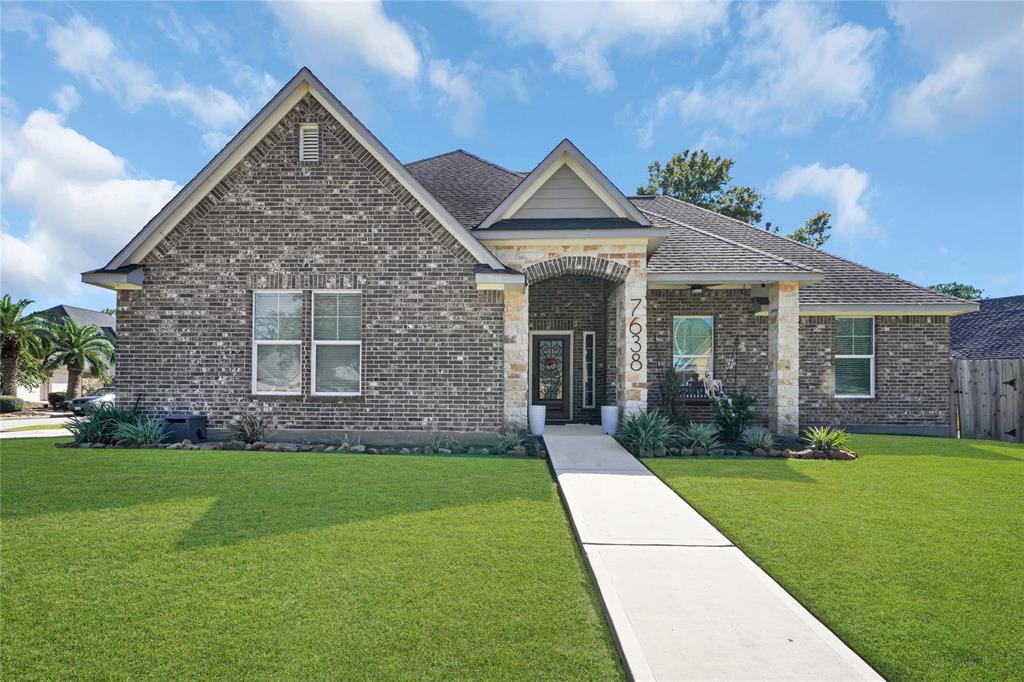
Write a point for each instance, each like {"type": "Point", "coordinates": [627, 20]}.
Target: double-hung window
{"type": "Point", "coordinates": [693, 346]}
{"type": "Point", "coordinates": [277, 342]}
{"type": "Point", "coordinates": [855, 357]}
{"type": "Point", "coordinates": [337, 342]}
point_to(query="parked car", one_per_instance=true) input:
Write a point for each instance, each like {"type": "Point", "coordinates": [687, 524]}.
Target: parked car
{"type": "Point", "coordinates": [101, 397]}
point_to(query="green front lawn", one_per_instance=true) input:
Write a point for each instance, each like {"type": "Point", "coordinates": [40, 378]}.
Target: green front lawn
{"type": "Point", "coordinates": [169, 564]}
{"type": "Point", "coordinates": [913, 554]}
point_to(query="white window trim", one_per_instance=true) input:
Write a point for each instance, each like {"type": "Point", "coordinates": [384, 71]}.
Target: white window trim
{"type": "Point", "coordinates": [272, 342]}
{"type": "Point", "coordinates": [836, 356]}
{"type": "Point", "coordinates": [590, 371]}
{"type": "Point", "coordinates": [315, 343]}
{"type": "Point", "coordinates": [710, 355]}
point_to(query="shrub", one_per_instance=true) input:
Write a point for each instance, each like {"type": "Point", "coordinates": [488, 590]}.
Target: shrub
{"type": "Point", "coordinates": [141, 432]}
{"type": "Point", "coordinates": [758, 437]}
{"type": "Point", "coordinates": [56, 399]}
{"type": "Point", "coordinates": [99, 426]}
{"type": "Point", "coordinates": [700, 436]}
{"type": "Point", "coordinates": [643, 432]}
{"type": "Point", "coordinates": [509, 438]}
{"type": "Point", "coordinates": [672, 396]}
{"type": "Point", "coordinates": [825, 438]}
{"type": "Point", "coordinates": [249, 428]}
{"type": "Point", "coordinates": [733, 414]}
{"type": "Point", "coordinates": [10, 403]}
{"type": "Point", "coordinates": [439, 440]}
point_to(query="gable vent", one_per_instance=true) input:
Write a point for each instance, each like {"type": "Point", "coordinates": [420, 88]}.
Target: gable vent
{"type": "Point", "coordinates": [309, 143]}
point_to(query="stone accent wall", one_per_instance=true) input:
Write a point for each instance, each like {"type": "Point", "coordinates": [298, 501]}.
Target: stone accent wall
{"type": "Point", "coordinates": [577, 304]}
{"type": "Point", "coordinates": [911, 373]}
{"type": "Point", "coordinates": [741, 342]}
{"type": "Point", "coordinates": [432, 344]}
{"type": "Point", "coordinates": [583, 257]}
{"type": "Point", "coordinates": [784, 358]}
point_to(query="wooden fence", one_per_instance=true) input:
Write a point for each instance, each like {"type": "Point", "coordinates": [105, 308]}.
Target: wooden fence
{"type": "Point", "coordinates": [987, 399]}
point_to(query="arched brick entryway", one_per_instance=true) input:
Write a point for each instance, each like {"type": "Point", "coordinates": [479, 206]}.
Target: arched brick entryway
{"type": "Point", "coordinates": [590, 266]}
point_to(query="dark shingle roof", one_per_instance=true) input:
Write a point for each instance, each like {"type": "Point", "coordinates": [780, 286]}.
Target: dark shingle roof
{"type": "Point", "coordinates": [844, 281]}
{"type": "Point", "coordinates": [689, 249]}
{"type": "Point", "coordinates": [996, 331]}
{"type": "Point", "coordinates": [468, 186]}
{"type": "Point", "coordinates": [81, 317]}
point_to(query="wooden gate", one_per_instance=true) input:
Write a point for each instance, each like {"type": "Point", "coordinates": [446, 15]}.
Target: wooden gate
{"type": "Point", "coordinates": [987, 399]}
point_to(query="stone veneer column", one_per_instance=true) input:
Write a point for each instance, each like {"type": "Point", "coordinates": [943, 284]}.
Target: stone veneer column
{"type": "Point", "coordinates": [631, 339]}
{"type": "Point", "coordinates": [517, 356]}
{"type": "Point", "coordinates": [784, 358]}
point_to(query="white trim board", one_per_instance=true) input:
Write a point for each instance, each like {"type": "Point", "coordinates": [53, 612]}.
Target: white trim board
{"type": "Point", "coordinates": [302, 83]}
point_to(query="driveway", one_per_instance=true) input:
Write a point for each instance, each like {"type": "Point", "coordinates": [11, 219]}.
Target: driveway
{"type": "Point", "coordinates": [7, 424]}
{"type": "Point", "coordinates": [684, 603]}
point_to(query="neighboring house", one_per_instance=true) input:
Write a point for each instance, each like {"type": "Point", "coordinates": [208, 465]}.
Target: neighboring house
{"type": "Point", "coordinates": [307, 274]}
{"type": "Point", "coordinates": [995, 332]}
{"type": "Point", "coordinates": [82, 317]}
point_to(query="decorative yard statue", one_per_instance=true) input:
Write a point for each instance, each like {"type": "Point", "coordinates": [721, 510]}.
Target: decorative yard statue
{"type": "Point", "coordinates": [713, 387]}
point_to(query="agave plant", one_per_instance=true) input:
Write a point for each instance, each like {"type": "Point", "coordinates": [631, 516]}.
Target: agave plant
{"type": "Point", "coordinates": [249, 428]}
{"type": "Point", "coordinates": [825, 438]}
{"type": "Point", "coordinates": [704, 436]}
{"type": "Point", "coordinates": [756, 437]}
{"type": "Point", "coordinates": [101, 425]}
{"type": "Point", "coordinates": [644, 432]}
{"type": "Point", "coordinates": [509, 438]}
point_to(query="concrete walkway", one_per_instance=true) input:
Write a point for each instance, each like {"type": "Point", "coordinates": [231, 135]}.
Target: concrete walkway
{"type": "Point", "coordinates": [683, 601]}
{"type": "Point", "coordinates": [6, 424]}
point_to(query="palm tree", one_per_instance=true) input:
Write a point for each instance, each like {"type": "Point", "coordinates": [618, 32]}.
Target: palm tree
{"type": "Point", "coordinates": [16, 331]}
{"type": "Point", "coordinates": [80, 347]}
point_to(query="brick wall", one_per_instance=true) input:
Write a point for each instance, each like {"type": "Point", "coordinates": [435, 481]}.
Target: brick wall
{"type": "Point", "coordinates": [432, 343]}
{"type": "Point", "coordinates": [911, 361]}
{"type": "Point", "coordinates": [911, 373]}
{"type": "Point", "coordinates": [579, 304]}
{"type": "Point", "coordinates": [740, 342]}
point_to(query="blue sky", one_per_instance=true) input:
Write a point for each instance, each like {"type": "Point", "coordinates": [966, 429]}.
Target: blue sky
{"type": "Point", "coordinates": [904, 121]}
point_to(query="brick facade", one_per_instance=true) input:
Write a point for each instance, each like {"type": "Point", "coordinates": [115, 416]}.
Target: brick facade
{"type": "Point", "coordinates": [911, 361]}
{"type": "Point", "coordinates": [911, 374]}
{"type": "Point", "coordinates": [432, 344]}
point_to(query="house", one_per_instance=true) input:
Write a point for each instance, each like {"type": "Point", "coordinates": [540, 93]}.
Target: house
{"type": "Point", "coordinates": [82, 317]}
{"type": "Point", "coordinates": [305, 273]}
{"type": "Point", "coordinates": [994, 332]}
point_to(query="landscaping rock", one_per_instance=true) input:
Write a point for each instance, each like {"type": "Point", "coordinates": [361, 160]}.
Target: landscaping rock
{"type": "Point", "coordinates": [356, 448]}
{"type": "Point", "coordinates": [371, 451]}
{"type": "Point", "coordinates": [730, 453]}
{"type": "Point", "coordinates": [685, 452]}
{"type": "Point", "coordinates": [428, 450]}
{"type": "Point", "coordinates": [405, 451]}
{"type": "Point", "coordinates": [718, 453]}
{"type": "Point", "coordinates": [287, 447]}
{"type": "Point", "coordinates": [758, 452]}
{"type": "Point", "coordinates": [443, 451]}
{"type": "Point", "coordinates": [699, 451]}
{"type": "Point", "coordinates": [775, 452]}
{"type": "Point", "coordinates": [660, 451]}
{"type": "Point", "coordinates": [841, 454]}
{"type": "Point", "coordinates": [519, 450]}
{"type": "Point", "coordinates": [259, 445]}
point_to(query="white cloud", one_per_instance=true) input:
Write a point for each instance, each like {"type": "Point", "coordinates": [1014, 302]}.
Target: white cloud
{"type": "Point", "coordinates": [581, 36]}
{"type": "Point", "coordinates": [459, 93]}
{"type": "Point", "coordinates": [82, 202]}
{"type": "Point", "coordinates": [977, 51]}
{"type": "Point", "coordinates": [88, 51]}
{"type": "Point", "coordinates": [844, 185]}
{"type": "Point", "coordinates": [793, 65]}
{"type": "Point", "coordinates": [65, 98]}
{"type": "Point", "coordinates": [342, 30]}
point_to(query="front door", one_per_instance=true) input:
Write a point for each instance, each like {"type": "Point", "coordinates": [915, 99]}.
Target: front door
{"type": "Point", "coordinates": [552, 360]}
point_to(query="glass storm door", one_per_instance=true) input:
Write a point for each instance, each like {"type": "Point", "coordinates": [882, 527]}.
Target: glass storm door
{"type": "Point", "coordinates": [550, 386]}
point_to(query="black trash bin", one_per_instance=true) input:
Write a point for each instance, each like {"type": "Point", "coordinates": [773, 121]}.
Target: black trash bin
{"type": "Point", "coordinates": [182, 426]}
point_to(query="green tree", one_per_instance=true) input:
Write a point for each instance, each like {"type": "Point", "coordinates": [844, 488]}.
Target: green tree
{"type": "Point", "coordinates": [16, 331]}
{"type": "Point", "coordinates": [815, 232]}
{"type": "Point", "coordinates": [959, 290]}
{"type": "Point", "coordinates": [37, 361]}
{"type": "Point", "coordinates": [78, 348]}
{"type": "Point", "coordinates": [702, 179]}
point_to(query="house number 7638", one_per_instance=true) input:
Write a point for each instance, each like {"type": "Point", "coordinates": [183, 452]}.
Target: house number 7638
{"type": "Point", "coordinates": [636, 362]}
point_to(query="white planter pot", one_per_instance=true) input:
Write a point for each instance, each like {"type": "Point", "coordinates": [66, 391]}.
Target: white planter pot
{"type": "Point", "coordinates": [610, 419]}
{"type": "Point", "coordinates": [538, 413]}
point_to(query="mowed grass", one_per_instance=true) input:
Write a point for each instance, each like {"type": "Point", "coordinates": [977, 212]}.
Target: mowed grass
{"type": "Point", "coordinates": [168, 565]}
{"type": "Point", "coordinates": [913, 554]}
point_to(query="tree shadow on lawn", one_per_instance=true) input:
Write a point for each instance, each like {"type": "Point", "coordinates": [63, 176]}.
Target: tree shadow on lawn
{"type": "Point", "coordinates": [775, 469]}
{"type": "Point", "coordinates": [266, 494]}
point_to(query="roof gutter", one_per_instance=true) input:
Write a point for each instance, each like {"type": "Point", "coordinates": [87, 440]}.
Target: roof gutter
{"type": "Point", "coordinates": [665, 280]}
{"type": "Point", "coordinates": [888, 308]}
